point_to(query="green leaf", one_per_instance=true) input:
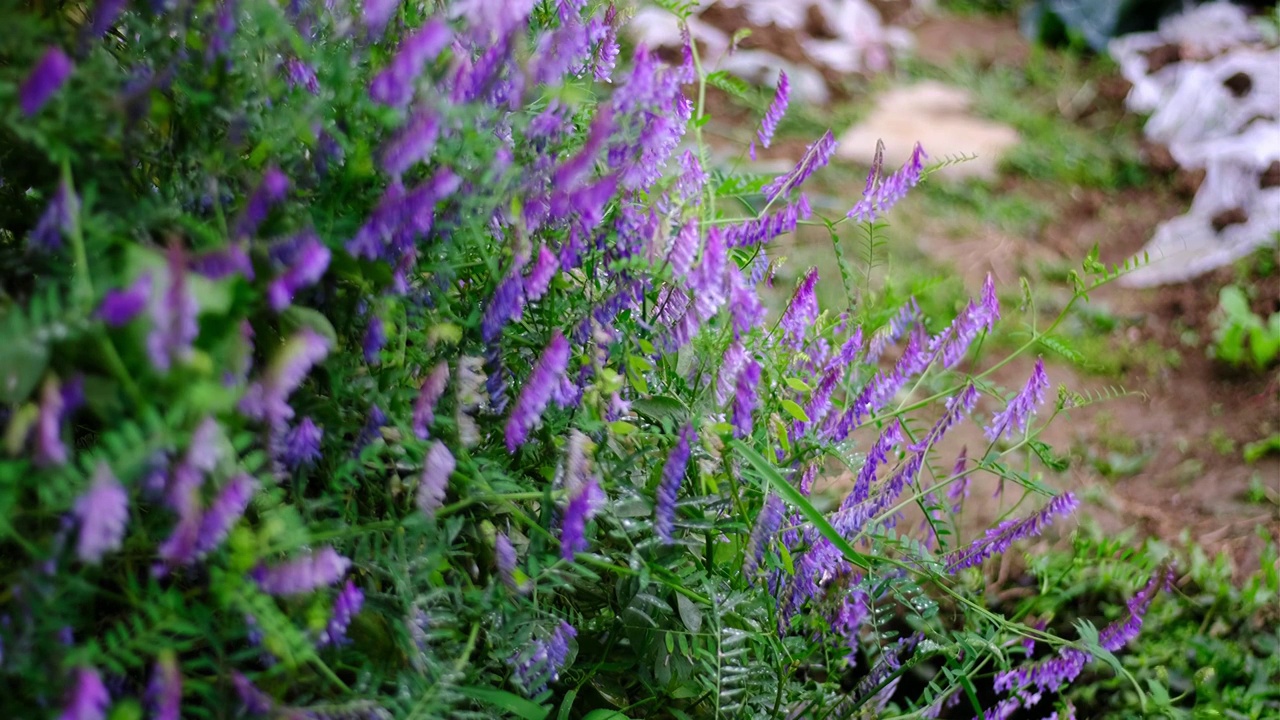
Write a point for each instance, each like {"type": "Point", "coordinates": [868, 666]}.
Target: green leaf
{"type": "Point", "coordinates": [798, 385]}
{"type": "Point", "coordinates": [567, 705]}
{"type": "Point", "coordinates": [603, 714]}
{"type": "Point", "coordinates": [660, 408]}
{"type": "Point", "coordinates": [22, 362]}
{"type": "Point", "coordinates": [509, 702]}
{"type": "Point", "coordinates": [690, 615]}
{"type": "Point", "coordinates": [794, 410]}
{"type": "Point", "coordinates": [789, 493]}
{"type": "Point", "coordinates": [622, 428]}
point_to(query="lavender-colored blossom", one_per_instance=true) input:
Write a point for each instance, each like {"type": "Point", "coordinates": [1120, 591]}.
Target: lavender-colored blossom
{"type": "Point", "coordinates": [506, 304]}
{"type": "Point", "coordinates": [375, 337]}
{"type": "Point", "coordinates": [767, 523]}
{"type": "Point", "coordinates": [371, 431]}
{"type": "Point", "coordinates": [653, 114]}
{"type": "Point", "coordinates": [747, 309]}
{"type": "Point", "coordinates": [56, 220]}
{"type": "Point", "coordinates": [310, 262]}
{"type": "Point", "coordinates": [267, 399]}
{"type": "Point", "coordinates": [584, 502]}
{"type": "Point", "coordinates": [346, 606]}
{"type": "Point", "coordinates": [735, 357]}
{"type": "Point", "coordinates": [103, 513]}
{"type": "Point", "coordinates": [300, 74]}
{"type": "Point", "coordinates": [902, 321]}
{"type": "Point", "coordinates": [301, 444]}
{"type": "Point", "coordinates": [428, 395]}
{"type": "Point", "coordinates": [998, 539]}
{"type": "Point", "coordinates": [49, 448]}
{"type": "Point", "coordinates": [412, 144]}
{"type": "Point", "coordinates": [816, 156]}
{"type": "Point", "coordinates": [960, 490]}
{"type": "Point", "coordinates": [437, 466]}
{"type": "Point", "coordinates": [45, 79]}
{"type": "Point", "coordinates": [394, 85]}
{"type": "Point", "coordinates": [224, 262]}
{"type": "Point", "coordinates": [692, 178]}
{"type": "Point", "coordinates": [224, 512]}
{"type": "Point", "coordinates": [504, 554]}
{"type": "Point", "coordinates": [883, 193]}
{"type": "Point", "coordinates": [223, 30]}
{"type": "Point", "coordinates": [761, 230]}
{"type": "Point", "coordinates": [776, 110]}
{"type": "Point", "coordinates": [537, 391]}
{"type": "Point", "coordinates": [1013, 419]}
{"type": "Point", "coordinates": [707, 280]}
{"type": "Point", "coordinates": [255, 701]}
{"type": "Point", "coordinates": [540, 664]}
{"type": "Point", "coordinates": [848, 351]}
{"type": "Point", "coordinates": [105, 14]}
{"type": "Point", "coordinates": [119, 306]}
{"type": "Point", "coordinates": [302, 574]}
{"type": "Point", "coordinates": [851, 612]}
{"type": "Point", "coordinates": [374, 15]}
{"type": "Point", "coordinates": [88, 698]}
{"type": "Point", "coordinates": [957, 406]}
{"type": "Point", "coordinates": [561, 53]}
{"type": "Point", "coordinates": [539, 277]}
{"type": "Point", "coordinates": [672, 475]}
{"type": "Point", "coordinates": [745, 398]}
{"type": "Point", "coordinates": [271, 190]}
{"type": "Point", "coordinates": [164, 692]}
{"type": "Point", "coordinates": [173, 316]}
{"type": "Point", "coordinates": [801, 312]}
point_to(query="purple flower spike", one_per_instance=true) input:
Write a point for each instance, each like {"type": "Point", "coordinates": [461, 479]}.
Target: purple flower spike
{"type": "Point", "coordinates": [303, 574]}
{"type": "Point", "coordinates": [45, 79]}
{"type": "Point", "coordinates": [801, 313]}
{"type": "Point", "coordinates": [537, 392]}
{"type": "Point", "coordinates": [767, 523]}
{"type": "Point", "coordinates": [504, 555]}
{"type": "Point", "coordinates": [224, 512]}
{"type": "Point", "coordinates": [164, 693]}
{"type": "Point", "coordinates": [347, 605]}
{"type": "Point", "coordinates": [684, 249]}
{"type": "Point", "coordinates": [374, 338]}
{"type": "Point", "coordinates": [692, 178]}
{"type": "Point", "coordinates": [882, 194]}
{"type": "Point", "coordinates": [270, 191]}
{"type": "Point", "coordinates": [1013, 419]}
{"type": "Point", "coordinates": [309, 265]}
{"type": "Point", "coordinates": [434, 483]}
{"type": "Point", "coordinates": [88, 698]}
{"type": "Point", "coordinates": [776, 110]}
{"type": "Point", "coordinates": [173, 316]}
{"type": "Point", "coordinates": [669, 488]}
{"type": "Point", "coordinates": [735, 356]}
{"type": "Point", "coordinates": [267, 399]}
{"type": "Point", "coordinates": [119, 306]}
{"type": "Point", "coordinates": [507, 304]}
{"type": "Point", "coordinates": [816, 156]}
{"type": "Point", "coordinates": [748, 311]}
{"type": "Point", "coordinates": [540, 275]}
{"type": "Point", "coordinates": [299, 74]}
{"type": "Point", "coordinates": [57, 219]}
{"type": "Point", "coordinates": [745, 399]}
{"type": "Point", "coordinates": [103, 513]}
{"type": "Point", "coordinates": [376, 13]}
{"type": "Point", "coordinates": [583, 504]}
{"type": "Point", "coordinates": [428, 395]}
{"type": "Point", "coordinates": [49, 448]}
{"type": "Point", "coordinates": [998, 539]}
{"type": "Point", "coordinates": [394, 86]}
{"type": "Point", "coordinates": [411, 145]}
{"type": "Point", "coordinates": [301, 444]}
{"type": "Point", "coordinates": [540, 664]}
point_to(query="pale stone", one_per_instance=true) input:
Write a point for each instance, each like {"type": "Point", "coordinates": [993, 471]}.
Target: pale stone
{"type": "Point", "coordinates": [937, 116]}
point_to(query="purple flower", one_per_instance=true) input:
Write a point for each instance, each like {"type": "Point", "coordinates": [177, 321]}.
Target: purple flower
{"type": "Point", "coordinates": [903, 321]}
{"type": "Point", "coordinates": [537, 391]}
{"type": "Point", "coordinates": [374, 338]}
{"type": "Point", "coordinates": [56, 220]}
{"type": "Point", "coordinates": [224, 262]}
{"type": "Point", "coordinates": [776, 110]}
{"type": "Point", "coordinates": [762, 230]}
{"type": "Point", "coordinates": [605, 36]}
{"type": "Point", "coordinates": [302, 574]}
{"type": "Point", "coordinates": [267, 399]}
{"type": "Point", "coordinates": [707, 281]}
{"type": "Point", "coordinates": [882, 194]}
{"type": "Point", "coordinates": [767, 523]}
{"type": "Point", "coordinates": [49, 448]}
{"type": "Point", "coordinates": [507, 304]}
{"type": "Point", "coordinates": [88, 698]}
{"type": "Point", "coordinates": [226, 509]}
{"type": "Point", "coordinates": [1013, 419]}
{"type": "Point", "coordinates": [998, 539]}
{"type": "Point", "coordinates": [412, 144]}
{"type": "Point", "coordinates": [669, 488]}
{"type": "Point", "coordinates": [744, 303]}
{"type": "Point", "coordinates": [164, 692]}
{"type": "Point", "coordinates": [394, 86]}
{"type": "Point", "coordinates": [540, 275]}
{"type": "Point", "coordinates": [961, 489]}
{"type": "Point", "coordinates": [801, 312]}
{"type": "Point", "coordinates": [815, 157]}
{"type": "Point", "coordinates": [374, 14]}
{"type": "Point", "coordinates": [957, 406]}
{"type": "Point", "coordinates": [745, 398]}
{"type": "Point", "coordinates": [301, 444]}
{"type": "Point", "coordinates": [735, 356]}
{"type": "Point", "coordinates": [103, 513]}
{"type": "Point", "coordinates": [876, 456]}
{"type": "Point", "coordinates": [173, 316]}
{"type": "Point", "coordinates": [504, 555]}
{"type": "Point", "coordinates": [299, 74]}
{"type": "Point", "coordinates": [254, 700]}
{"type": "Point", "coordinates": [584, 501]}
{"type": "Point", "coordinates": [270, 190]}
{"type": "Point", "coordinates": [437, 466]}
{"type": "Point", "coordinates": [540, 664]}
{"type": "Point", "coordinates": [346, 606]}
{"type": "Point", "coordinates": [692, 179]}
{"type": "Point", "coordinates": [45, 79]}
{"type": "Point", "coordinates": [562, 52]}
{"type": "Point", "coordinates": [309, 265]}
{"type": "Point", "coordinates": [119, 306]}
{"type": "Point", "coordinates": [428, 395]}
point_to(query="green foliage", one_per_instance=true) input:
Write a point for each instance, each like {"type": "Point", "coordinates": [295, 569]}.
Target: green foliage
{"type": "Point", "coordinates": [1240, 337]}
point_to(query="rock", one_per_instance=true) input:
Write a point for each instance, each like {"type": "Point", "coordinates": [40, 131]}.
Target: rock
{"type": "Point", "coordinates": [937, 116]}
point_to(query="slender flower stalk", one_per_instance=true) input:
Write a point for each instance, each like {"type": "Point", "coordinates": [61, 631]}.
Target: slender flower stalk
{"type": "Point", "coordinates": [165, 689]}
{"type": "Point", "coordinates": [745, 399]}
{"type": "Point", "coordinates": [767, 523]}
{"type": "Point", "coordinates": [224, 512]}
{"type": "Point", "coordinates": [301, 446]}
{"type": "Point", "coordinates": [429, 394]}
{"type": "Point", "coordinates": [394, 86]}
{"type": "Point", "coordinates": [103, 513]}
{"type": "Point", "coordinates": [49, 449]}
{"type": "Point", "coordinates": [998, 539]}
{"type": "Point", "coordinates": [345, 607]}
{"type": "Point", "coordinates": [584, 502]}
{"type": "Point", "coordinates": [778, 108]}
{"type": "Point", "coordinates": [672, 475]}
{"type": "Point", "coordinates": [120, 306]}
{"type": "Point", "coordinates": [882, 194]}
{"type": "Point", "coordinates": [815, 157]}
{"type": "Point", "coordinates": [1013, 419]}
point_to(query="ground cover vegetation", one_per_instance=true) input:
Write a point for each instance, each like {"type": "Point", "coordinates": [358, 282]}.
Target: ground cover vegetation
{"type": "Point", "coordinates": [410, 361]}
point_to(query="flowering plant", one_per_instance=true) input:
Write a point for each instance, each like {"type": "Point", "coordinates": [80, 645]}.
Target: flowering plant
{"type": "Point", "coordinates": [411, 361]}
